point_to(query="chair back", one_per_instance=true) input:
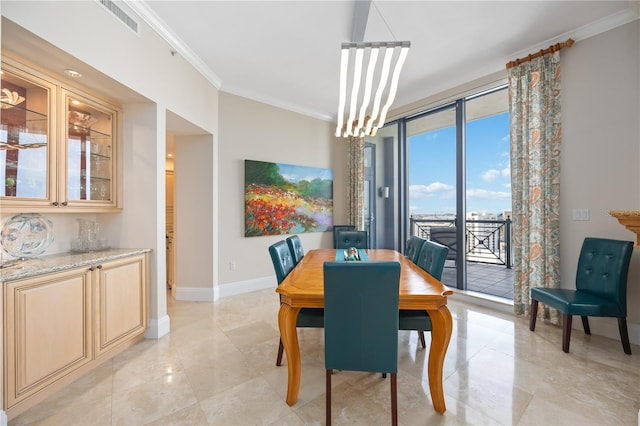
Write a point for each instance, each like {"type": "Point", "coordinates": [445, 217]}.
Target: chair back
{"type": "Point", "coordinates": [445, 235]}
{"type": "Point", "coordinates": [337, 228]}
{"type": "Point", "coordinates": [432, 257]}
{"type": "Point", "coordinates": [357, 239]}
{"type": "Point", "coordinates": [361, 316]}
{"type": "Point", "coordinates": [282, 259]}
{"type": "Point", "coordinates": [295, 246]}
{"type": "Point", "coordinates": [603, 267]}
{"type": "Point", "coordinates": [413, 247]}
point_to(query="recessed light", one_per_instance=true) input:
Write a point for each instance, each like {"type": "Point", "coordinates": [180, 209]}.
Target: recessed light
{"type": "Point", "coordinates": [169, 155]}
{"type": "Point", "coordinates": [75, 102]}
{"type": "Point", "coordinates": [72, 73]}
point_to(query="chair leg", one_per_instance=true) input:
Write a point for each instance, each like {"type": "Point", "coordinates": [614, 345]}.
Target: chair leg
{"type": "Point", "coordinates": [421, 338]}
{"type": "Point", "coordinates": [533, 314]}
{"type": "Point", "coordinates": [624, 335]}
{"type": "Point", "coordinates": [585, 324]}
{"type": "Point", "coordinates": [328, 398]}
{"type": "Point", "coordinates": [566, 331]}
{"type": "Point", "coordinates": [280, 350]}
{"type": "Point", "coordinates": [394, 399]}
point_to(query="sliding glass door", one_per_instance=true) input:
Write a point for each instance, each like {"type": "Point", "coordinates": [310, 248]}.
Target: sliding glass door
{"type": "Point", "coordinates": [458, 188]}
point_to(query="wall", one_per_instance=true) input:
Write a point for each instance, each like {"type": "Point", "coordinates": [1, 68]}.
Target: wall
{"type": "Point", "coordinates": [255, 131]}
{"type": "Point", "coordinates": [71, 27]}
{"type": "Point", "coordinates": [601, 152]}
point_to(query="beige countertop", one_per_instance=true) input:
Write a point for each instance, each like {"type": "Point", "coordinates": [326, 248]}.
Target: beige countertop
{"type": "Point", "coordinates": [62, 261]}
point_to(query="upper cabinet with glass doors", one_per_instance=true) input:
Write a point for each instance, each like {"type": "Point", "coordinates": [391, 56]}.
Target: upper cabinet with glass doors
{"type": "Point", "coordinates": [57, 145]}
{"type": "Point", "coordinates": [89, 151]}
{"type": "Point", "coordinates": [27, 150]}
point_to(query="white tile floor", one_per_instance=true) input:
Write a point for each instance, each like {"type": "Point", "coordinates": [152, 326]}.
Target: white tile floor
{"type": "Point", "coordinates": [217, 367]}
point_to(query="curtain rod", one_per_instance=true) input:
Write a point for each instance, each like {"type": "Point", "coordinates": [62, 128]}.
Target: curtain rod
{"type": "Point", "coordinates": [549, 49]}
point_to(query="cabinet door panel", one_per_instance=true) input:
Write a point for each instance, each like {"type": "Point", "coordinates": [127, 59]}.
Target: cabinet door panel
{"type": "Point", "coordinates": [121, 296]}
{"type": "Point", "coordinates": [48, 330]}
{"type": "Point", "coordinates": [27, 150]}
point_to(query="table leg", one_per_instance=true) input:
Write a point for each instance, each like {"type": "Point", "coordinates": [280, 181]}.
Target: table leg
{"type": "Point", "coordinates": [442, 326]}
{"type": "Point", "coordinates": [287, 318]}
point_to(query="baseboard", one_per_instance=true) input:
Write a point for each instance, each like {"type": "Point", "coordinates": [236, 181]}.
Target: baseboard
{"type": "Point", "coordinates": [199, 294]}
{"type": "Point", "coordinates": [3, 418]}
{"type": "Point", "coordinates": [195, 294]}
{"type": "Point", "coordinates": [241, 287]}
{"type": "Point", "coordinates": [158, 328]}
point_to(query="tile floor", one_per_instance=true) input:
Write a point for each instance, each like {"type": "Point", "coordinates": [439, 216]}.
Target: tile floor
{"type": "Point", "coordinates": [217, 367]}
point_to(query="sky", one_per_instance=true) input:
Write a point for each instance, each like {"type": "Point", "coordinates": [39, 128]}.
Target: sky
{"type": "Point", "coordinates": [432, 175]}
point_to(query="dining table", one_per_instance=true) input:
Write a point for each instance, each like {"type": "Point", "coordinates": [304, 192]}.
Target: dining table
{"type": "Point", "coordinates": [304, 288]}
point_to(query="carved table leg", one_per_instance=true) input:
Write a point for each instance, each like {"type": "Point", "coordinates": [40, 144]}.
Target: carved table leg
{"type": "Point", "coordinates": [287, 317]}
{"type": "Point", "coordinates": [442, 326]}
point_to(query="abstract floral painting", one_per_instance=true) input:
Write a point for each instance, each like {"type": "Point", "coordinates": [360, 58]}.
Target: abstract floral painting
{"type": "Point", "coordinates": [286, 199]}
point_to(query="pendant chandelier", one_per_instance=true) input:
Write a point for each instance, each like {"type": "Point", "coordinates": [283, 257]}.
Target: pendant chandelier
{"type": "Point", "coordinates": [361, 72]}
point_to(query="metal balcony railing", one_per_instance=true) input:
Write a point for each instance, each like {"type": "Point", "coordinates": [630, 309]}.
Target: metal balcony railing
{"type": "Point", "coordinates": [486, 241]}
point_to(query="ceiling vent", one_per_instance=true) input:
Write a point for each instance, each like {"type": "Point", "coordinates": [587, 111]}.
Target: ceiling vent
{"type": "Point", "coordinates": [122, 16]}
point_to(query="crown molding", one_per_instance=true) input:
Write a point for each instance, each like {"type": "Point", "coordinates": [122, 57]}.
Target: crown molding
{"type": "Point", "coordinates": [591, 29]}
{"type": "Point", "coordinates": [159, 26]}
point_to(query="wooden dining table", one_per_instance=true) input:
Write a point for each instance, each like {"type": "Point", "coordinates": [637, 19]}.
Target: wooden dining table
{"type": "Point", "coordinates": [304, 288]}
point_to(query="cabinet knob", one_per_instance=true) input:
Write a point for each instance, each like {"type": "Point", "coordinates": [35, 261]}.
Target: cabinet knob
{"type": "Point", "coordinates": [99, 266]}
{"type": "Point", "coordinates": [55, 203]}
{"type": "Point", "coordinates": [91, 268]}
{"type": "Point", "coordinates": [64, 203]}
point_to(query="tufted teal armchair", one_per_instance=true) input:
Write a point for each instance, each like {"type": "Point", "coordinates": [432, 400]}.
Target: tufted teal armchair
{"type": "Point", "coordinates": [601, 289]}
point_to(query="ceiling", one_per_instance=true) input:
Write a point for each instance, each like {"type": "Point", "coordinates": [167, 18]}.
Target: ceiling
{"type": "Point", "coordinates": [287, 53]}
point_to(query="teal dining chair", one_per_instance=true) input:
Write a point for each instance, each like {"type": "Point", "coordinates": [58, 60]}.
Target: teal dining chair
{"type": "Point", "coordinates": [431, 258]}
{"type": "Point", "coordinates": [601, 289]}
{"type": "Point", "coordinates": [414, 244]}
{"type": "Point", "coordinates": [295, 246]}
{"type": "Point", "coordinates": [361, 321]}
{"type": "Point", "coordinates": [283, 264]}
{"type": "Point", "coordinates": [357, 239]}
{"type": "Point", "coordinates": [338, 228]}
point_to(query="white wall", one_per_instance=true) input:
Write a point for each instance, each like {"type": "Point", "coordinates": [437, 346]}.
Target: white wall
{"type": "Point", "coordinates": [601, 152]}
{"type": "Point", "coordinates": [253, 131]}
{"type": "Point", "coordinates": [146, 66]}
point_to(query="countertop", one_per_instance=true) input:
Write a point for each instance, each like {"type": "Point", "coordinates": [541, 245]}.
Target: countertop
{"type": "Point", "coordinates": [62, 261]}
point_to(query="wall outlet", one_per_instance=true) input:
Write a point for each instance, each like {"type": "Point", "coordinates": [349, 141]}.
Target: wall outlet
{"type": "Point", "coordinates": [232, 265]}
{"type": "Point", "coordinates": [580, 214]}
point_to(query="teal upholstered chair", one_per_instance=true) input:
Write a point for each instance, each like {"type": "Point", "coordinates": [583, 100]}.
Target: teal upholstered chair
{"type": "Point", "coordinates": [431, 258]}
{"type": "Point", "coordinates": [601, 289]}
{"type": "Point", "coordinates": [413, 247]}
{"type": "Point", "coordinates": [357, 239]}
{"type": "Point", "coordinates": [361, 321]}
{"type": "Point", "coordinates": [295, 246]}
{"type": "Point", "coordinates": [283, 264]}
{"type": "Point", "coordinates": [337, 228]}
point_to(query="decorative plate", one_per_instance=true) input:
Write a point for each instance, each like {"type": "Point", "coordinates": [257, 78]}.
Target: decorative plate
{"type": "Point", "coordinates": [26, 235]}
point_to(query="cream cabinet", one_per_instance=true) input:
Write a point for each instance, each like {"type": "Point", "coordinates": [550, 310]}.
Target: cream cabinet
{"type": "Point", "coordinates": [58, 145]}
{"type": "Point", "coordinates": [60, 325]}
{"type": "Point", "coordinates": [120, 295]}
{"type": "Point", "coordinates": [47, 331]}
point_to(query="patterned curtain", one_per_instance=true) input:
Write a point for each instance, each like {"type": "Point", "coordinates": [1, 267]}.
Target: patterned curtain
{"type": "Point", "coordinates": [536, 132]}
{"type": "Point", "coordinates": [355, 190]}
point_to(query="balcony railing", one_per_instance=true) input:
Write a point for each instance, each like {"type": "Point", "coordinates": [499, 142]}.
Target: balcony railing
{"type": "Point", "coordinates": [486, 241]}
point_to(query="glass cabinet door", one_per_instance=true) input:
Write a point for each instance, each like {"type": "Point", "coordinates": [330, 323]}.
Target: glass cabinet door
{"type": "Point", "coordinates": [25, 145]}
{"type": "Point", "coordinates": [89, 151]}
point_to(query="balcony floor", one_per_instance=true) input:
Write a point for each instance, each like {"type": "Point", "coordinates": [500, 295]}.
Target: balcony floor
{"type": "Point", "coordinates": [495, 280]}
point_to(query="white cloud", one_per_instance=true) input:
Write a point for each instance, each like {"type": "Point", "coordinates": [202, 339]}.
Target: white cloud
{"type": "Point", "coordinates": [490, 175]}
{"type": "Point", "coordinates": [435, 189]}
{"type": "Point", "coordinates": [484, 194]}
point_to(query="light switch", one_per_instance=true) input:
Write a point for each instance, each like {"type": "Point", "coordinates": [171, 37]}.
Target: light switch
{"type": "Point", "coordinates": [580, 214]}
